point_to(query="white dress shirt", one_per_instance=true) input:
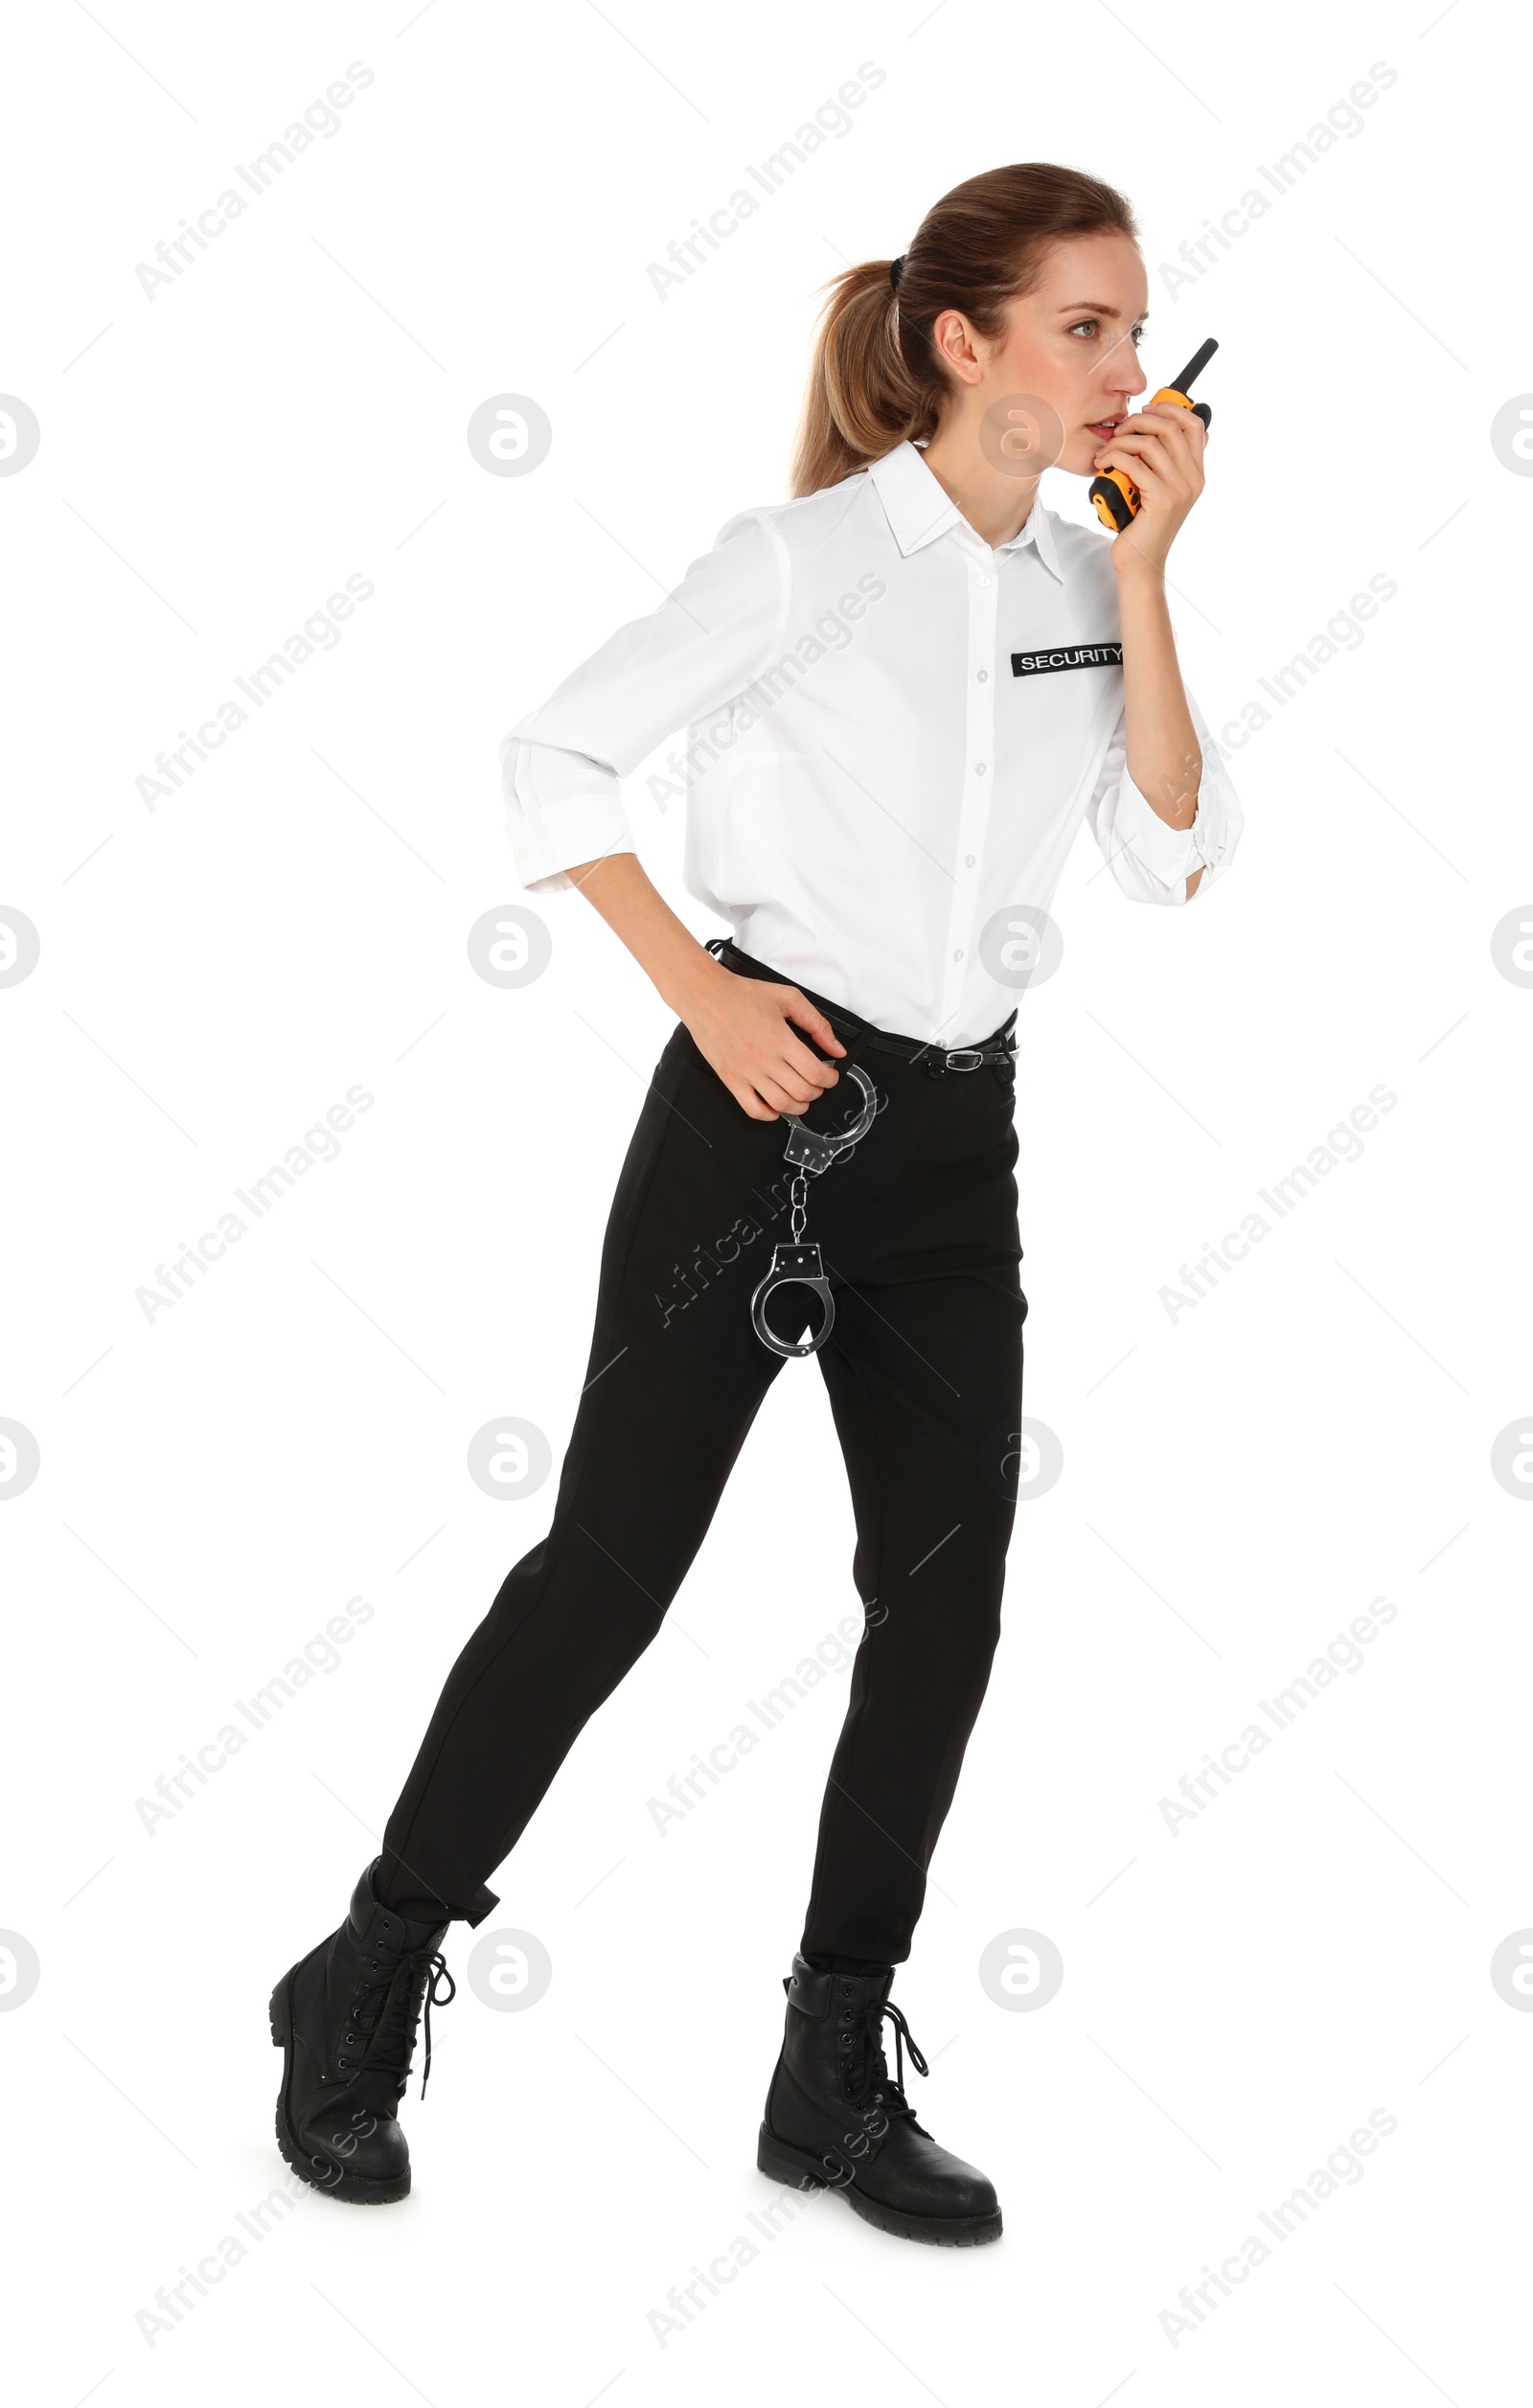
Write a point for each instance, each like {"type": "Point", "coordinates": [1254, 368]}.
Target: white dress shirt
{"type": "Point", "coordinates": [893, 734]}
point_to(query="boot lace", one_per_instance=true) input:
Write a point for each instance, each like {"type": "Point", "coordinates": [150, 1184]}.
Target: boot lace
{"type": "Point", "coordinates": [384, 2012]}
{"type": "Point", "coordinates": [864, 2077]}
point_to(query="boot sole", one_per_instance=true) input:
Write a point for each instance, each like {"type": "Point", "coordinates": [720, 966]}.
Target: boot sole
{"type": "Point", "coordinates": [786, 2163]}
{"type": "Point", "coordinates": [355, 2189]}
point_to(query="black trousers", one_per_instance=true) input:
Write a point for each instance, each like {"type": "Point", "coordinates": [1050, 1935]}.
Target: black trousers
{"type": "Point", "coordinates": [918, 1230]}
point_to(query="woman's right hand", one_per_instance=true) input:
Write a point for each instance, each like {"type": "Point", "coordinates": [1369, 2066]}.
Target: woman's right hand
{"type": "Point", "coordinates": [745, 1029]}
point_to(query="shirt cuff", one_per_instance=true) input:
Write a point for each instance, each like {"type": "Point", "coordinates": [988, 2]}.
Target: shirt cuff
{"type": "Point", "coordinates": [562, 835]}
{"type": "Point", "coordinates": [549, 836]}
{"type": "Point", "coordinates": [1168, 855]}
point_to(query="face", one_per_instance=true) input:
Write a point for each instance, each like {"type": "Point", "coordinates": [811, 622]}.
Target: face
{"type": "Point", "coordinates": [1072, 343]}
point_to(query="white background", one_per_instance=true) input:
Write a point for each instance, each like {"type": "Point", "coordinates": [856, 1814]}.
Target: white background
{"type": "Point", "coordinates": [1238, 1483]}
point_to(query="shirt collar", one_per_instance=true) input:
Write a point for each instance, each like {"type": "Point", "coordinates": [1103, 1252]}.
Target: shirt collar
{"type": "Point", "coordinates": [919, 510]}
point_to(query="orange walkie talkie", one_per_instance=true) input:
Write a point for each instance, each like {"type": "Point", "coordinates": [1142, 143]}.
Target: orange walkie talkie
{"type": "Point", "coordinates": [1115, 494]}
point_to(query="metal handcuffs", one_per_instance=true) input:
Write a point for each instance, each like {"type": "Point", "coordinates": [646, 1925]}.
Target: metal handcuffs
{"type": "Point", "coordinates": [794, 1264]}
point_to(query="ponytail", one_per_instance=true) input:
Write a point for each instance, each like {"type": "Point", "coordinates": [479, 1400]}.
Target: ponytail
{"type": "Point", "coordinates": [875, 380]}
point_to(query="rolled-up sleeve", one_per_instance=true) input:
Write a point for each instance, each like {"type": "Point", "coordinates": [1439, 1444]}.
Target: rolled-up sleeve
{"type": "Point", "coordinates": [561, 765]}
{"type": "Point", "coordinates": [1151, 862]}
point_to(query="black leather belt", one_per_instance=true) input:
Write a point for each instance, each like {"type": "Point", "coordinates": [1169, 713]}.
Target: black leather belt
{"type": "Point", "coordinates": [999, 1046]}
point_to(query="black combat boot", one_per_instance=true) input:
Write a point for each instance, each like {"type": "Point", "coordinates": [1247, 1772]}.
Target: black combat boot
{"type": "Point", "coordinates": [835, 2118]}
{"type": "Point", "coordinates": [345, 2018]}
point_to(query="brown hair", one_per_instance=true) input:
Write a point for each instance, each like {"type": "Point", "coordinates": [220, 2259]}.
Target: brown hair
{"type": "Point", "coordinates": [875, 380]}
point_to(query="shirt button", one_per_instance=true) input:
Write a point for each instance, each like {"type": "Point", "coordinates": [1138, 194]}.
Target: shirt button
{"type": "Point", "coordinates": [979, 769]}
{"type": "Point", "coordinates": [984, 579]}
{"type": "Point", "coordinates": [982, 674]}
{"type": "Point", "coordinates": [968, 861]}
{"type": "Point", "coordinates": [959, 954]}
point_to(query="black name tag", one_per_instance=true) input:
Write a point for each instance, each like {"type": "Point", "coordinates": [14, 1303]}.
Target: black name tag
{"type": "Point", "coordinates": [1068, 656]}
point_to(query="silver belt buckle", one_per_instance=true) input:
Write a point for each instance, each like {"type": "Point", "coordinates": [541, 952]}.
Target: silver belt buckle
{"type": "Point", "coordinates": [956, 1060]}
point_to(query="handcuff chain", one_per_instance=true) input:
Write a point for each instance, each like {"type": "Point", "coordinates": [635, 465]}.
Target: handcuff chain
{"type": "Point", "coordinates": [797, 1194]}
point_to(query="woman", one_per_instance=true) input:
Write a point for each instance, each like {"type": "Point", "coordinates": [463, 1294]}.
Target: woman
{"type": "Point", "coordinates": [903, 694]}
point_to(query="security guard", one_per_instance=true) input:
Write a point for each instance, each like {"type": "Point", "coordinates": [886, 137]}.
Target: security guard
{"type": "Point", "coordinates": [903, 691]}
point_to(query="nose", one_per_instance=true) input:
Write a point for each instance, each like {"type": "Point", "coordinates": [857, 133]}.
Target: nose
{"type": "Point", "coordinates": [1125, 375]}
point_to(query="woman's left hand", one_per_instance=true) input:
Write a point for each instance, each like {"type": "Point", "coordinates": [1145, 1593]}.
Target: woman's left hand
{"type": "Point", "coordinates": [1161, 448]}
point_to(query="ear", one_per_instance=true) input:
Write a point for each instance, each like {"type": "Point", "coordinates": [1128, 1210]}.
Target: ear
{"type": "Point", "coordinates": [954, 339]}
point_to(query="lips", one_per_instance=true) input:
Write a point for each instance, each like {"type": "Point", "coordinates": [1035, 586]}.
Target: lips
{"type": "Point", "coordinates": [1105, 427]}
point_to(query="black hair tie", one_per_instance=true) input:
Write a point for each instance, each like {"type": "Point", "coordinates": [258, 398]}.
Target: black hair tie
{"type": "Point", "coordinates": [895, 265]}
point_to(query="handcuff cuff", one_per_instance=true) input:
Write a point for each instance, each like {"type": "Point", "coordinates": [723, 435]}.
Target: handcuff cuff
{"type": "Point", "coordinates": [795, 1263]}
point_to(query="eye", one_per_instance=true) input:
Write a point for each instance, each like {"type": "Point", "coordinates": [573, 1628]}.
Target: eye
{"type": "Point", "coordinates": [1088, 328]}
